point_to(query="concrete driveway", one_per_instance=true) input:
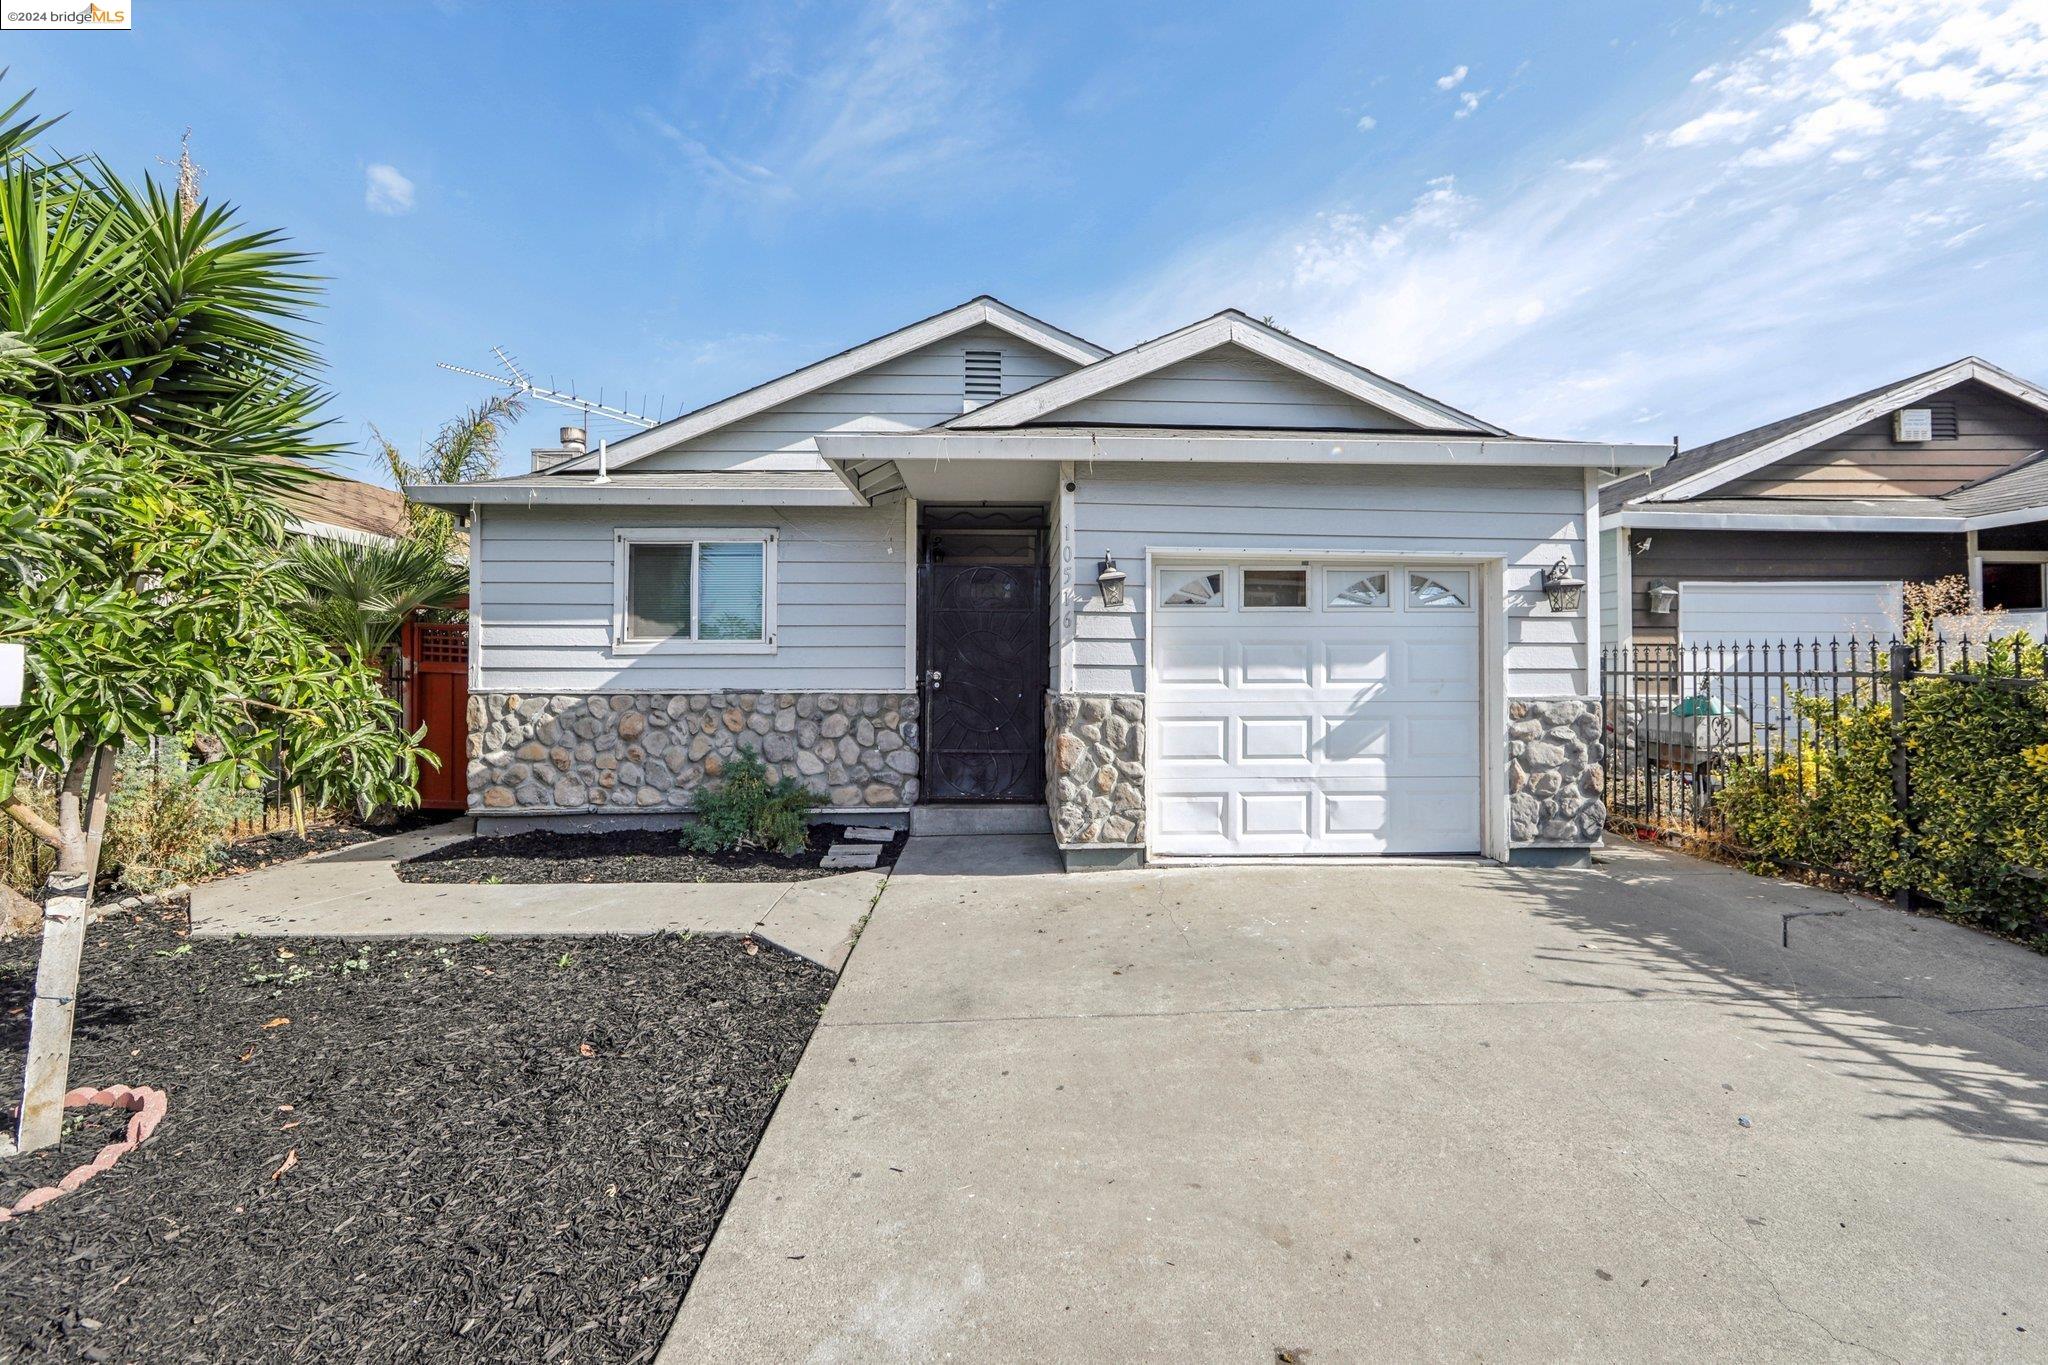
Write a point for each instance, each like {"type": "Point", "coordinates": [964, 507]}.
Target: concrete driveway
{"type": "Point", "coordinates": [1452, 1111]}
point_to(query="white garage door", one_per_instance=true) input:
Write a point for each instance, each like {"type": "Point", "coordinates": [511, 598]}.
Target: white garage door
{"type": "Point", "coordinates": [1326, 709]}
{"type": "Point", "coordinates": [1767, 613]}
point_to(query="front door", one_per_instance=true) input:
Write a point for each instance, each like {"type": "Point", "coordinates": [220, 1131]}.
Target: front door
{"type": "Point", "coordinates": [985, 633]}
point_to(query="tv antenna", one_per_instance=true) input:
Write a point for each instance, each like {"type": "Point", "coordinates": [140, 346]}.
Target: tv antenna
{"type": "Point", "coordinates": [520, 382]}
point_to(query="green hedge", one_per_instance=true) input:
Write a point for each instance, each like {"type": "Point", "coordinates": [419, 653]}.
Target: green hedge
{"type": "Point", "coordinates": [1979, 761]}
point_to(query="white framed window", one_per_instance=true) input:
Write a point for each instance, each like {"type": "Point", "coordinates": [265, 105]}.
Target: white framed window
{"type": "Point", "coordinates": [2014, 584]}
{"type": "Point", "coordinates": [1358, 589]}
{"type": "Point", "coordinates": [1273, 589]}
{"type": "Point", "coordinates": [702, 590]}
{"type": "Point", "coordinates": [1439, 589]}
{"type": "Point", "coordinates": [1195, 588]}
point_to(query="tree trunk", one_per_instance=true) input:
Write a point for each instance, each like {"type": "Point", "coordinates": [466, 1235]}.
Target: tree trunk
{"type": "Point", "coordinates": [81, 821]}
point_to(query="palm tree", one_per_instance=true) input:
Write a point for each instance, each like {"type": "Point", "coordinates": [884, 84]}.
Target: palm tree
{"type": "Point", "coordinates": [465, 448]}
{"type": "Point", "coordinates": [358, 596]}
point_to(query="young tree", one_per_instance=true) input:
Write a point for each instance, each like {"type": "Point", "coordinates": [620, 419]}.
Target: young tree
{"type": "Point", "coordinates": [154, 400]}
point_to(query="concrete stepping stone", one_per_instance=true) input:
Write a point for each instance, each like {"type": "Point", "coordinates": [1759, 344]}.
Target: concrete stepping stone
{"type": "Point", "coordinates": [847, 856]}
{"type": "Point", "coordinates": [869, 834]}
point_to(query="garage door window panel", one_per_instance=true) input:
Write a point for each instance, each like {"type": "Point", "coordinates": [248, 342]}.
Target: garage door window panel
{"type": "Point", "coordinates": [1192, 589]}
{"type": "Point", "coordinates": [1440, 589]}
{"type": "Point", "coordinates": [1358, 589]}
{"type": "Point", "coordinates": [1275, 590]}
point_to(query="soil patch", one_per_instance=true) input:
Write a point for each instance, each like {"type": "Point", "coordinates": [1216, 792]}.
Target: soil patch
{"type": "Point", "coordinates": [283, 845]}
{"type": "Point", "coordinates": [504, 1150]}
{"type": "Point", "coordinates": [637, 855]}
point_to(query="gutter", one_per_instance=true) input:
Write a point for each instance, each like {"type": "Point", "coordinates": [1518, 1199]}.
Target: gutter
{"type": "Point", "coordinates": [1084, 447]}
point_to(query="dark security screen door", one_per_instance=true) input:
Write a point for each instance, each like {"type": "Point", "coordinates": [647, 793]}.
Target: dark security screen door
{"type": "Point", "coordinates": [985, 635]}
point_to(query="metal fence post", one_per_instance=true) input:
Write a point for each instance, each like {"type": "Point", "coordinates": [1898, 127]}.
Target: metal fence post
{"type": "Point", "coordinates": [1902, 772]}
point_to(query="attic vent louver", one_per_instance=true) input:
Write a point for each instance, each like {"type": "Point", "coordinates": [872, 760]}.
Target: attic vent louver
{"type": "Point", "coordinates": [984, 382]}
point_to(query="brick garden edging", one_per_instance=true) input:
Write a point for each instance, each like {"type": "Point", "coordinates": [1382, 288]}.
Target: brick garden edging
{"type": "Point", "coordinates": [148, 1106]}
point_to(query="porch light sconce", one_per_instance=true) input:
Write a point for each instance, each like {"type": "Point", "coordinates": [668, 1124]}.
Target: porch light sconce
{"type": "Point", "coordinates": [1110, 579]}
{"type": "Point", "coordinates": [1663, 599]}
{"type": "Point", "coordinates": [1561, 588]}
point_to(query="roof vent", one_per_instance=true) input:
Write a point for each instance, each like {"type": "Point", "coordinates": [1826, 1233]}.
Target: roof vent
{"type": "Point", "coordinates": [984, 379]}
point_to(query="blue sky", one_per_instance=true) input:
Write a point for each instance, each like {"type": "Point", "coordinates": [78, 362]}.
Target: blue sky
{"type": "Point", "coordinates": [1620, 218]}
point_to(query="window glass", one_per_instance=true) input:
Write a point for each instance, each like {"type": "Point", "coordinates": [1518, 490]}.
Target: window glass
{"type": "Point", "coordinates": [1439, 588]}
{"type": "Point", "coordinates": [2014, 587]}
{"type": "Point", "coordinates": [1275, 588]}
{"type": "Point", "coordinates": [658, 591]}
{"type": "Point", "coordinates": [1183, 589]}
{"type": "Point", "coordinates": [1348, 589]}
{"type": "Point", "coordinates": [729, 590]}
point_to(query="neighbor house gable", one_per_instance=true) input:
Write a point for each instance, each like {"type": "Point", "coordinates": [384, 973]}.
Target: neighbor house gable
{"type": "Point", "coordinates": [1855, 428]}
{"type": "Point", "coordinates": [988, 315]}
{"type": "Point", "coordinates": [1219, 372]}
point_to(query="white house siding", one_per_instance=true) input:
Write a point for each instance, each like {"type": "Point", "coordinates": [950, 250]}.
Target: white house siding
{"type": "Point", "coordinates": [1611, 588]}
{"type": "Point", "coordinates": [546, 603]}
{"type": "Point", "coordinates": [1227, 387]}
{"type": "Point", "coordinates": [1531, 518]}
{"type": "Point", "coordinates": [912, 391]}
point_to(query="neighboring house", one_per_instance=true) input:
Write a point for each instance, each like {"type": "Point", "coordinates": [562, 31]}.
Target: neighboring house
{"type": "Point", "coordinates": [1808, 528]}
{"type": "Point", "coordinates": [1325, 629]}
{"type": "Point", "coordinates": [347, 509]}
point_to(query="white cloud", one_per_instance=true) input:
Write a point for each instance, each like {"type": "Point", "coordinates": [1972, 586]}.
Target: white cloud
{"type": "Point", "coordinates": [1716, 125]}
{"type": "Point", "coordinates": [386, 191]}
{"type": "Point", "coordinates": [1468, 103]}
{"type": "Point", "coordinates": [1676, 281]}
{"type": "Point", "coordinates": [1366, 123]}
{"type": "Point", "coordinates": [1453, 78]}
{"type": "Point", "coordinates": [907, 98]}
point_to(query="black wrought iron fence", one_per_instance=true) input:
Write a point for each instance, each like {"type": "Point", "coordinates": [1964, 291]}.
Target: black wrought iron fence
{"type": "Point", "coordinates": [1677, 717]}
{"type": "Point", "coordinates": [1681, 719]}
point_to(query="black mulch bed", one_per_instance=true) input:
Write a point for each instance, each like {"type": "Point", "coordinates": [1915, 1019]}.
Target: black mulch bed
{"type": "Point", "coordinates": [621, 856]}
{"type": "Point", "coordinates": [500, 1150]}
{"type": "Point", "coordinates": [283, 845]}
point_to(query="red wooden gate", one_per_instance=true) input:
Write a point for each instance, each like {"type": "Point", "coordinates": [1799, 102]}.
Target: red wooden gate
{"type": "Point", "coordinates": [437, 696]}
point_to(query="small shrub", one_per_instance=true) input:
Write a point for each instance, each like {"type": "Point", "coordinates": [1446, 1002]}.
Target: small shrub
{"type": "Point", "coordinates": [746, 810]}
{"type": "Point", "coordinates": [165, 825]}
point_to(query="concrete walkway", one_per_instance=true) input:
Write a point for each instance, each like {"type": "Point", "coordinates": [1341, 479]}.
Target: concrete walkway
{"type": "Point", "coordinates": [355, 893]}
{"type": "Point", "coordinates": [1394, 1113]}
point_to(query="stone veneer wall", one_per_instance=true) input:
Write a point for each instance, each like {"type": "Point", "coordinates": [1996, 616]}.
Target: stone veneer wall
{"type": "Point", "coordinates": [1095, 768]}
{"type": "Point", "coordinates": [1556, 782]}
{"type": "Point", "coordinates": [648, 751]}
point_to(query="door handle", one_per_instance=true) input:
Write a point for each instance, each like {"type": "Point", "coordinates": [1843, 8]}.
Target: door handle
{"type": "Point", "coordinates": [932, 677]}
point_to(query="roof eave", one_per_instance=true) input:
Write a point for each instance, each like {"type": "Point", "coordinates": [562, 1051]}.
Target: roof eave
{"type": "Point", "coordinates": [592, 494]}
{"type": "Point", "coordinates": [1279, 448]}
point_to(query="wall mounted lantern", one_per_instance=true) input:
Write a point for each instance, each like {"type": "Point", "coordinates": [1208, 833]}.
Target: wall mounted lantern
{"type": "Point", "coordinates": [1110, 579]}
{"type": "Point", "coordinates": [1561, 588]}
{"type": "Point", "coordinates": [1663, 599]}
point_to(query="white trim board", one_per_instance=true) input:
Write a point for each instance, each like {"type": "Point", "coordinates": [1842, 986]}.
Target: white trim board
{"type": "Point", "coordinates": [1645, 518]}
{"type": "Point", "coordinates": [1086, 448]}
{"type": "Point", "coordinates": [980, 312]}
{"type": "Point", "coordinates": [1228, 328]}
{"type": "Point", "coordinates": [1898, 396]}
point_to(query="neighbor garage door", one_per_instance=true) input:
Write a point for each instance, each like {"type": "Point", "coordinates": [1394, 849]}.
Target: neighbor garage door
{"type": "Point", "coordinates": [1770, 613]}
{"type": "Point", "coordinates": [1321, 709]}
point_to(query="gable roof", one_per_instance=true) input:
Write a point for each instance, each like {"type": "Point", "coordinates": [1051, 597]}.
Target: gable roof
{"type": "Point", "coordinates": [1704, 468]}
{"type": "Point", "coordinates": [983, 311]}
{"type": "Point", "coordinates": [1227, 328]}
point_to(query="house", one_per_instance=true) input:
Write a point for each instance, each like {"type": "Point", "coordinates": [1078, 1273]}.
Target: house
{"type": "Point", "coordinates": [335, 508]}
{"type": "Point", "coordinates": [1223, 593]}
{"type": "Point", "coordinates": [1808, 528]}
